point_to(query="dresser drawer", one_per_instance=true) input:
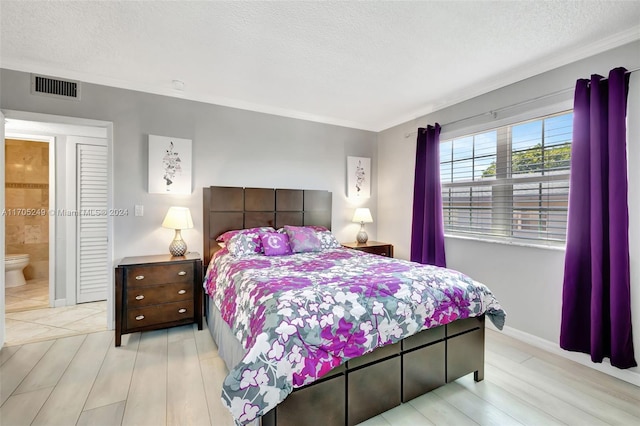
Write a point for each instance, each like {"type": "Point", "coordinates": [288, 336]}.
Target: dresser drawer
{"type": "Point", "coordinates": [159, 274]}
{"type": "Point", "coordinates": [158, 314]}
{"type": "Point", "coordinates": [157, 291]}
{"type": "Point", "coordinates": [372, 247]}
{"type": "Point", "coordinates": [164, 293]}
{"type": "Point", "coordinates": [380, 251]}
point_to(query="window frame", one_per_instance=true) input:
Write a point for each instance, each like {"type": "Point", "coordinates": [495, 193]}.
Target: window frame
{"type": "Point", "coordinates": [505, 179]}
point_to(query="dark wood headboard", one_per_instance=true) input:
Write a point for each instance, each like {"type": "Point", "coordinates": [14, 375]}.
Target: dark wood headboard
{"type": "Point", "coordinates": [226, 208]}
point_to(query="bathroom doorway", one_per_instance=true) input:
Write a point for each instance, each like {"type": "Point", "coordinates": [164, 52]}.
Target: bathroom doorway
{"type": "Point", "coordinates": [29, 228]}
{"type": "Point", "coordinates": [62, 316]}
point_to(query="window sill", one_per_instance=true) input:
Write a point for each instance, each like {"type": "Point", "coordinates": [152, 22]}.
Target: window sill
{"type": "Point", "coordinates": [554, 247]}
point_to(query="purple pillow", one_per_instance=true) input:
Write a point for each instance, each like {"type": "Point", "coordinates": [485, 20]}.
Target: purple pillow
{"type": "Point", "coordinates": [316, 228]}
{"type": "Point", "coordinates": [275, 244]}
{"type": "Point", "coordinates": [302, 239]}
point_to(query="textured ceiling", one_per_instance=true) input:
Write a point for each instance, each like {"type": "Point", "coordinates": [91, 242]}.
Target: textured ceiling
{"type": "Point", "coordinates": [368, 65]}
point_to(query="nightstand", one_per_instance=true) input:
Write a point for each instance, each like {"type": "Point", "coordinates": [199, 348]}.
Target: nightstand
{"type": "Point", "coordinates": [154, 292]}
{"type": "Point", "coordinates": [373, 247]}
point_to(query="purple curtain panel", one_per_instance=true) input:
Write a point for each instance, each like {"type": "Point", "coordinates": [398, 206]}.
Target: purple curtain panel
{"type": "Point", "coordinates": [427, 229]}
{"type": "Point", "coordinates": [596, 300]}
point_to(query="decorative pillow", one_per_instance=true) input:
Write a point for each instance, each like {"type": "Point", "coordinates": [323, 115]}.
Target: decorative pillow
{"type": "Point", "coordinates": [230, 234]}
{"type": "Point", "coordinates": [223, 238]}
{"type": "Point", "coordinates": [302, 239]}
{"type": "Point", "coordinates": [327, 240]}
{"type": "Point", "coordinates": [275, 244]}
{"type": "Point", "coordinates": [316, 228]}
{"type": "Point", "coordinates": [244, 244]}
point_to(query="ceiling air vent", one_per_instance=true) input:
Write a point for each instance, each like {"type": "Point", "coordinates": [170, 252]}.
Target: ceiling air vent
{"type": "Point", "coordinates": [55, 87]}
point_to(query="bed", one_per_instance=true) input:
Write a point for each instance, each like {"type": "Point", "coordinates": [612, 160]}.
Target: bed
{"type": "Point", "coordinates": [340, 369]}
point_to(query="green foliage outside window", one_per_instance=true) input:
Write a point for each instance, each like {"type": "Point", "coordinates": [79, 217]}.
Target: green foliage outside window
{"type": "Point", "coordinates": [529, 161]}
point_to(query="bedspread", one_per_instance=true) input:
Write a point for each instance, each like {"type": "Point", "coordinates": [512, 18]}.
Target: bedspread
{"type": "Point", "coordinates": [302, 315]}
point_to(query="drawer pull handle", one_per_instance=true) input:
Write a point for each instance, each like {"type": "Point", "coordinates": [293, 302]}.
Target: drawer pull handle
{"type": "Point", "coordinates": [182, 310]}
{"type": "Point", "coordinates": [140, 277]}
{"type": "Point", "coordinates": [139, 297]}
{"type": "Point", "coordinates": [139, 317]}
{"type": "Point", "coordinates": [182, 291]}
{"type": "Point", "coordinates": [182, 273]}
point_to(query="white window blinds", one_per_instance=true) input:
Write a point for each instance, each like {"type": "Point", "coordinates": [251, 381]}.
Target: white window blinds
{"type": "Point", "coordinates": [511, 182]}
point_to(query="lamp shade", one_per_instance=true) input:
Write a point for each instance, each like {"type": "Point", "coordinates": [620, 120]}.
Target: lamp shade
{"type": "Point", "coordinates": [362, 215]}
{"type": "Point", "coordinates": [178, 218]}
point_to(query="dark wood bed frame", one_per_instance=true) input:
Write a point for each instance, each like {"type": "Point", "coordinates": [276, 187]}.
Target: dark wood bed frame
{"type": "Point", "coordinates": [373, 383]}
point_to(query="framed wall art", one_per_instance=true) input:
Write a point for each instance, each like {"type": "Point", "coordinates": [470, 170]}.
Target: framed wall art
{"type": "Point", "coordinates": [169, 165]}
{"type": "Point", "coordinates": [358, 177]}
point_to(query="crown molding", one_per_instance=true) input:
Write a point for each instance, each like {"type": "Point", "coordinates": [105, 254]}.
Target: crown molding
{"type": "Point", "coordinates": [560, 59]}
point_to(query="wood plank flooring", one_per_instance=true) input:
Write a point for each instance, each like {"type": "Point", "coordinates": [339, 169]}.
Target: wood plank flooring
{"type": "Point", "coordinates": [174, 377]}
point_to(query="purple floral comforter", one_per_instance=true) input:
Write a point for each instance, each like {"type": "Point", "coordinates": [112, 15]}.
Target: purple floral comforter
{"type": "Point", "coordinates": [302, 315]}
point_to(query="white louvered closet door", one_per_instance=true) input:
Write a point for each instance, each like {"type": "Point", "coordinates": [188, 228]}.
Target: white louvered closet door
{"type": "Point", "coordinates": [93, 273]}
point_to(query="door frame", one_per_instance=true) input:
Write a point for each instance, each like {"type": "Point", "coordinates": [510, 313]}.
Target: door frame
{"type": "Point", "coordinates": [2, 195]}
{"type": "Point", "coordinates": [70, 121]}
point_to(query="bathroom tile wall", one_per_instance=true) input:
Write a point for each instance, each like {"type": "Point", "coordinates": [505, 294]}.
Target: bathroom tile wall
{"type": "Point", "coordinates": [27, 204]}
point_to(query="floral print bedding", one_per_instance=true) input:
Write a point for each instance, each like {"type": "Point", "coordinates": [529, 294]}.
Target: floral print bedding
{"type": "Point", "coordinates": [300, 316]}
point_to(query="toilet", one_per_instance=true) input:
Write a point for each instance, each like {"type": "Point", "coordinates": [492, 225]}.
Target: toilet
{"type": "Point", "coordinates": [13, 266]}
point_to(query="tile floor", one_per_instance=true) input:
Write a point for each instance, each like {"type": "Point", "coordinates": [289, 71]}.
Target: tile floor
{"type": "Point", "coordinates": [33, 295]}
{"type": "Point", "coordinates": [29, 318]}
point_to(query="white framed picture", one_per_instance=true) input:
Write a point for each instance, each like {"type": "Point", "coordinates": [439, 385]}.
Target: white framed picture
{"type": "Point", "coordinates": [358, 177]}
{"type": "Point", "coordinates": [169, 165]}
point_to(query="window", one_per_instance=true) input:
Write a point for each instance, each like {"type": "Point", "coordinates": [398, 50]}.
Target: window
{"type": "Point", "coordinates": [511, 182]}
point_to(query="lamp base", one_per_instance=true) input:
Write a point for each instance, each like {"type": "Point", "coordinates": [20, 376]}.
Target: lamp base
{"type": "Point", "coordinates": [178, 247]}
{"type": "Point", "coordinates": [362, 237]}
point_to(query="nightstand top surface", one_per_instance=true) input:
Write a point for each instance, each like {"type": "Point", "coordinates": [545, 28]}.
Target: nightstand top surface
{"type": "Point", "coordinates": [367, 244]}
{"type": "Point", "coordinates": [159, 258]}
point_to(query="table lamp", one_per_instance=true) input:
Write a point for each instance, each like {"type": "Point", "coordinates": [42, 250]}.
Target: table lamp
{"type": "Point", "coordinates": [178, 218]}
{"type": "Point", "coordinates": [362, 215]}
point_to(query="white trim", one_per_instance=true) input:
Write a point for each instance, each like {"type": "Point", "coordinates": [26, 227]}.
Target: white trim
{"type": "Point", "coordinates": [28, 67]}
{"type": "Point", "coordinates": [627, 375]}
{"type": "Point", "coordinates": [59, 303]}
{"type": "Point", "coordinates": [527, 70]}
{"type": "Point", "coordinates": [2, 225]}
{"type": "Point", "coordinates": [70, 228]}
{"type": "Point", "coordinates": [52, 221]}
{"type": "Point", "coordinates": [51, 118]}
{"type": "Point", "coordinates": [507, 241]}
{"type": "Point", "coordinates": [111, 309]}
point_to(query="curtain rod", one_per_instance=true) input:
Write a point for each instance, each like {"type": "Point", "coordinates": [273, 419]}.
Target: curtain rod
{"type": "Point", "coordinates": [494, 112]}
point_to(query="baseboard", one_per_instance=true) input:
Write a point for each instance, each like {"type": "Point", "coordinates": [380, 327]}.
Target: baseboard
{"type": "Point", "coordinates": [58, 303]}
{"type": "Point", "coordinates": [629, 375]}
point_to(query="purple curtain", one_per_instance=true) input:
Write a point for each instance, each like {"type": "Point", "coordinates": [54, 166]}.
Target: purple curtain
{"type": "Point", "coordinates": [427, 229]}
{"type": "Point", "coordinates": [596, 305]}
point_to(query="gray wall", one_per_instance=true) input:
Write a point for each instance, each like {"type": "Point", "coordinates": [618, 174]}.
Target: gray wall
{"type": "Point", "coordinates": [527, 280]}
{"type": "Point", "coordinates": [230, 147]}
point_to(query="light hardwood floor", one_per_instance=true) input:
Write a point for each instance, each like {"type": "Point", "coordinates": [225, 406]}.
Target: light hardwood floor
{"type": "Point", "coordinates": [174, 377]}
